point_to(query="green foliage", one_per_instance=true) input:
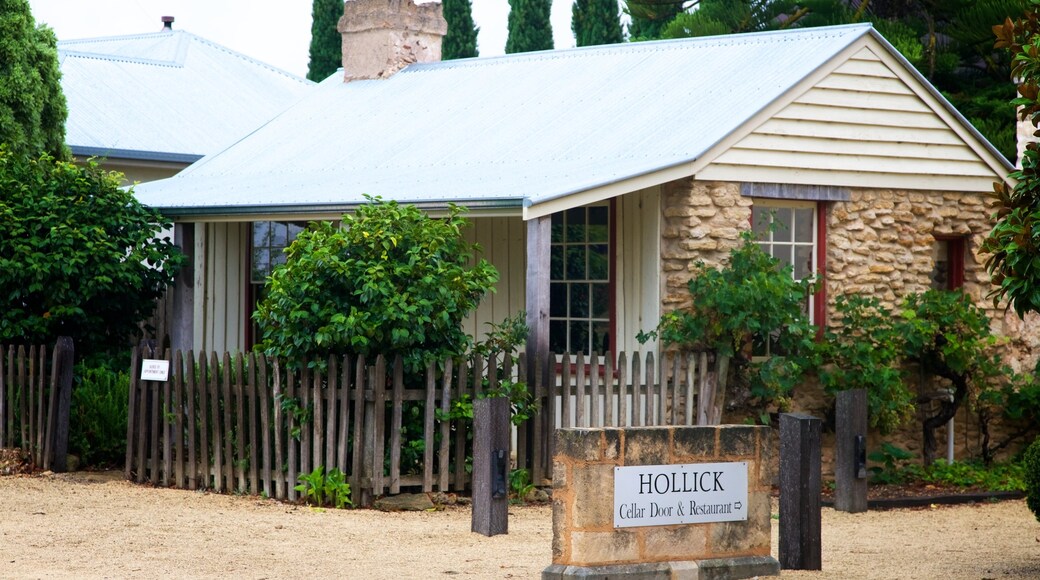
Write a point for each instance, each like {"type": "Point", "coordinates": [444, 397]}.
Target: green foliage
{"type": "Point", "coordinates": [945, 332]}
{"type": "Point", "coordinates": [298, 414]}
{"type": "Point", "coordinates": [32, 105]}
{"type": "Point", "coordinates": [461, 39]}
{"type": "Point", "coordinates": [714, 17]}
{"type": "Point", "coordinates": [97, 424]}
{"type": "Point", "coordinates": [79, 256]}
{"type": "Point", "coordinates": [897, 467]}
{"type": "Point", "coordinates": [751, 299]}
{"type": "Point", "coordinates": [596, 22]}
{"type": "Point", "coordinates": [649, 17]}
{"type": "Point", "coordinates": [865, 352]}
{"type": "Point", "coordinates": [326, 43]}
{"type": "Point", "coordinates": [1031, 463]}
{"type": "Point", "coordinates": [520, 484]}
{"type": "Point", "coordinates": [1014, 242]}
{"type": "Point", "coordinates": [320, 488]}
{"type": "Point", "coordinates": [529, 26]}
{"type": "Point", "coordinates": [391, 281]}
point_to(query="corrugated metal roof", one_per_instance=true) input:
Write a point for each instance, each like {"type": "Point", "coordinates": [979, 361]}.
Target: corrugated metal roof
{"type": "Point", "coordinates": [506, 131]}
{"type": "Point", "coordinates": [166, 95]}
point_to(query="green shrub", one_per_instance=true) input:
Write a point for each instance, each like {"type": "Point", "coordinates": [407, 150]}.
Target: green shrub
{"type": "Point", "coordinates": [97, 423]}
{"type": "Point", "coordinates": [1031, 461]}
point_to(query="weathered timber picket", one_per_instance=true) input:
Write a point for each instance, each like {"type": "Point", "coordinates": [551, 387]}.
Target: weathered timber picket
{"type": "Point", "coordinates": [34, 401]}
{"type": "Point", "coordinates": [251, 425]}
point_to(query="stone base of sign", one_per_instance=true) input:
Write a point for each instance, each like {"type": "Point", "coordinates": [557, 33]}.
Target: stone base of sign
{"type": "Point", "coordinates": [717, 569]}
{"type": "Point", "coordinates": [586, 543]}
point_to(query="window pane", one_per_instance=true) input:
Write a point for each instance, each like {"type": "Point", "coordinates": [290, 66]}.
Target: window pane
{"type": "Point", "coordinates": [598, 227]}
{"type": "Point", "coordinates": [576, 262]}
{"type": "Point", "coordinates": [803, 226]}
{"type": "Point", "coordinates": [576, 225]}
{"type": "Point", "coordinates": [601, 337]}
{"type": "Point", "coordinates": [557, 228]}
{"type": "Point", "coordinates": [261, 231]}
{"type": "Point", "coordinates": [277, 257]}
{"type": "Point", "coordinates": [760, 222]}
{"type": "Point", "coordinates": [803, 266]}
{"type": "Point", "coordinates": [279, 234]}
{"type": "Point", "coordinates": [600, 301]}
{"type": "Point", "coordinates": [784, 220]}
{"type": "Point", "coordinates": [261, 264]}
{"type": "Point", "coordinates": [579, 301]}
{"type": "Point", "coordinates": [558, 299]}
{"type": "Point", "coordinates": [558, 336]}
{"type": "Point", "coordinates": [579, 335]}
{"type": "Point", "coordinates": [599, 260]}
{"type": "Point", "coordinates": [782, 252]}
{"type": "Point", "coordinates": [556, 263]}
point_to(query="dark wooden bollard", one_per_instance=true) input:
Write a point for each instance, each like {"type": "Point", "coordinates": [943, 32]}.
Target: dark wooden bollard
{"type": "Point", "coordinates": [850, 456]}
{"type": "Point", "coordinates": [800, 492]}
{"type": "Point", "coordinates": [61, 401]}
{"type": "Point", "coordinates": [491, 466]}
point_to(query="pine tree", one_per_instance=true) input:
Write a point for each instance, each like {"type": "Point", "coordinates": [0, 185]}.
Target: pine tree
{"type": "Point", "coordinates": [461, 39]}
{"type": "Point", "coordinates": [596, 22]}
{"type": "Point", "coordinates": [326, 55]}
{"type": "Point", "coordinates": [649, 17]}
{"type": "Point", "coordinates": [529, 26]}
{"type": "Point", "coordinates": [32, 105]}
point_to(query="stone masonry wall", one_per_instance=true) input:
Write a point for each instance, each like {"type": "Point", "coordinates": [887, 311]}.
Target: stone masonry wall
{"type": "Point", "coordinates": [583, 495]}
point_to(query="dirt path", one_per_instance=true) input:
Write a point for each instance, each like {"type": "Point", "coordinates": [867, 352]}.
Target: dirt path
{"type": "Point", "coordinates": [91, 525]}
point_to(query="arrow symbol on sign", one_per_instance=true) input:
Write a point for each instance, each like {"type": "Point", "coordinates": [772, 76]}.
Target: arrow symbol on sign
{"type": "Point", "coordinates": [737, 505]}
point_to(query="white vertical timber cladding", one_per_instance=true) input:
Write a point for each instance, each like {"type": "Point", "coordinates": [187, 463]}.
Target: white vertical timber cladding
{"type": "Point", "coordinates": [201, 267]}
{"type": "Point", "coordinates": [860, 126]}
{"type": "Point", "coordinates": [637, 289]}
{"type": "Point", "coordinates": [226, 251]}
{"type": "Point", "coordinates": [502, 243]}
{"type": "Point", "coordinates": [235, 317]}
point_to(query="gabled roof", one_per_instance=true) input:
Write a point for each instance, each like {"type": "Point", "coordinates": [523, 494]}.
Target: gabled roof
{"type": "Point", "coordinates": [536, 131]}
{"type": "Point", "coordinates": [166, 96]}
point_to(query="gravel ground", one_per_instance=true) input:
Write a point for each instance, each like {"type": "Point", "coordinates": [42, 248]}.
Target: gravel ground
{"type": "Point", "coordinates": [94, 525]}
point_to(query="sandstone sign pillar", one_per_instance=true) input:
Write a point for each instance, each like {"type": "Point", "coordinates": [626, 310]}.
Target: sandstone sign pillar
{"type": "Point", "coordinates": [662, 502]}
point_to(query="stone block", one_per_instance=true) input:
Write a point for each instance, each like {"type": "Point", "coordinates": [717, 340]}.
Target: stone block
{"type": "Point", "coordinates": [740, 567]}
{"type": "Point", "coordinates": [751, 536]}
{"type": "Point", "coordinates": [737, 440]}
{"type": "Point", "coordinates": [646, 571]}
{"type": "Point", "coordinates": [560, 474]}
{"type": "Point", "coordinates": [695, 444]}
{"type": "Point", "coordinates": [647, 446]}
{"type": "Point", "coordinates": [699, 200]}
{"type": "Point", "coordinates": [675, 542]}
{"type": "Point", "coordinates": [611, 443]}
{"type": "Point", "coordinates": [593, 490]}
{"type": "Point", "coordinates": [598, 548]}
{"type": "Point", "coordinates": [561, 527]}
{"type": "Point", "coordinates": [579, 444]}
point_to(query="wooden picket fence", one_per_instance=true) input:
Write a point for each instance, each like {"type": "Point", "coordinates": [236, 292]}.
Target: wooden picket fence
{"type": "Point", "coordinates": [35, 394]}
{"type": "Point", "coordinates": [251, 425]}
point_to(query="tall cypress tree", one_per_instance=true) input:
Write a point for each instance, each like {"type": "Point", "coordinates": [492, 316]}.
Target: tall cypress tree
{"type": "Point", "coordinates": [529, 26]}
{"type": "Point", "coordinates": [461, 39]}
{"type": "Point", "coordinates": [32, 105]}
{"type": "Point", "coordinates": [326, 43]}
{"type": "Point", "coordinates": [596, 22]}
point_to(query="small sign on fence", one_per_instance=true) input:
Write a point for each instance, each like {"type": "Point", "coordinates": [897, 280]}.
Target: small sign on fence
{"type": "Point", "coordinates": [155, 370]}
{"type": "Point", "coordinates": [694, 493]}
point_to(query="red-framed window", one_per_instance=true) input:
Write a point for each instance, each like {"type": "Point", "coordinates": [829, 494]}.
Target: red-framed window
{"type": "Point", "coordinates": [948, 263]}
{"type": "Point", "coordinates": [581, 280]}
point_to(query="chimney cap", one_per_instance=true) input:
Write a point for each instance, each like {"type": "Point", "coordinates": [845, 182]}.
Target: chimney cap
{"type": "Point", "coordinates": [167, 22]}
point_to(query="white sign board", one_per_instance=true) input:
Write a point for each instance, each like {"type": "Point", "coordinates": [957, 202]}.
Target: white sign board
{"type": "Point", "coordinates": [691, 493]}
{"type": "Point", "coordinates": [155, 370]}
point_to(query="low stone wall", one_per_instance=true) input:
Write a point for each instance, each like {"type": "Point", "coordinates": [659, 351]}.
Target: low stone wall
{"type": "Point", "coordinates": [586, 541]}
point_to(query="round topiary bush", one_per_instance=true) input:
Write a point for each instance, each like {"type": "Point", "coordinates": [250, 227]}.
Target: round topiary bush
{"type": "Point", "coordinates": [1031, 460]}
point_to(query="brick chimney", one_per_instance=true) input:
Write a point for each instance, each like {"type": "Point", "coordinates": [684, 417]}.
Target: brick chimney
{"type": "Point", "coordinates": [381, 37]}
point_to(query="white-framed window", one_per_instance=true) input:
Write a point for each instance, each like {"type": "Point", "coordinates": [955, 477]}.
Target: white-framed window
{"type": "Point", "coordinates": [787, 231]}
{"type": "Point", "coordinates": [580, 292]}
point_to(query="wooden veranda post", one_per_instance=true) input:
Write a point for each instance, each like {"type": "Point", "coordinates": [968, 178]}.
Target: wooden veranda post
{"type": "Point", "coordinates": [537, 293]}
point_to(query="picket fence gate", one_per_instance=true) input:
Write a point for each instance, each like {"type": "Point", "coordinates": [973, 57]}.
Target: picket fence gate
{"type": "Point", "coordinates": [35, 395]}
{"type": "Point", "coordinates": [250, 425]}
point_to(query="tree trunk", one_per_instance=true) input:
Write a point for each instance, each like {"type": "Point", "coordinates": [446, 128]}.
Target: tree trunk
{"type": "Point", "coordinates": [946, 412]}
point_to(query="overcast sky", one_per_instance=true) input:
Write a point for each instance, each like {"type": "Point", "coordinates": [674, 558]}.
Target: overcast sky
{"type": "Point", "coordinates": [278, 33]}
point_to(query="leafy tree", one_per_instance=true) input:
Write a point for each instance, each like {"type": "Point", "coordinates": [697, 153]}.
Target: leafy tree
{"type": "Point", "coordinates": [529, 26]}
{"type": "Point", "coordinates": [32, 106]}
{"type": "Point", "coordinates": [461, 39]}
{"type": "Point", "coordinates": [326, 43]}
{"type": "Point", "coordinates": [1031, 461]}
{"type": "Point", "coordinates": [1014, 242]}
{"type": "Point", "coordinates": [750, 300]}
{"type": "Point", "coordinates": [391, 281]}
{"type": "Point", "coordinates": [864, 350]}
{"type": "Point", "coordinates": [78, 255]}
{"type": "Point", "coordinates": [596, 22]}
{"type": "Point", "coordinates": [713, 17]}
